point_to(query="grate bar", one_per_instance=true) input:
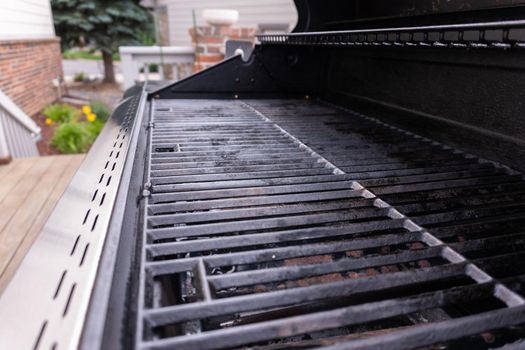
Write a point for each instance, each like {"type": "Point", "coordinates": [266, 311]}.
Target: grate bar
{"type": "Point", "coordinates": [276, 237]}
{"type": "Point", "coordinates": [276, 254]}
{"type": "Point", "coordinates": [225, 162]}
{"type": "Point", "coordinates": [298, 296]}
{"type": "Point", "coordinates": [260, 224]}
{"type": "Point", "coordinates": [274, 181]}
{"type": "Point", "coordinates": [458, 192]}
{"type": "Point", "coordinates": [239, 176]}
{"type": "Point", "coordinates": [508, 209]}
{"type": "Point", "coordinates": [441, 331]}
{"type": "Point", "coordinates": [319, 321]}
{"type": "Point", "coordinates": [234, 169]}
{"type": "Point", "coordinates": [489, 180]}
{"type": "Point", "coordinates": [276, 274]}
{"type": "Point", "coordinates": [244, 192]}
{"type": "Point", "coordinates": [253, 201]}
{"type": "Point", "coordinates": [240, 214]}
{"type": "Point", "coordinates": [248, 278]}
{"type": "Point", "coordinates": [408, 164]}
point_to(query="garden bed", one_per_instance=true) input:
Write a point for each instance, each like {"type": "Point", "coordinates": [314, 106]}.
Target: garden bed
{"type": "Point", "coordinates": [69, 129]}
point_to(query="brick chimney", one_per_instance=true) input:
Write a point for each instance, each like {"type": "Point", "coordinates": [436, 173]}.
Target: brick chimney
{"type": "Point", "coordinates": [209, 42]}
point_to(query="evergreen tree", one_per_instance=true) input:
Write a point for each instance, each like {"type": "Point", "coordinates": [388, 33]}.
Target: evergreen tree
{"type": "Point", "coordinates": [102, 24]}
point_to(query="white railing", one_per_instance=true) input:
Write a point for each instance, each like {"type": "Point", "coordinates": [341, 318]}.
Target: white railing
{"type": "Point", "coordinates": [18, 132]}
{"type": "Point", "coordinates": [133, 58]}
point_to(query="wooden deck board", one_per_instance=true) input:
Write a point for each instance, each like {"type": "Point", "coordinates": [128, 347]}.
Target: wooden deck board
{"type": "Point", "coordinates": [21, 190]}
{"type": "Point", "coordinates": [5, 169]}
{"type": "Point", "coordinates": [13, 175]}
{"type": "Point", "coordinates": [29, 190]}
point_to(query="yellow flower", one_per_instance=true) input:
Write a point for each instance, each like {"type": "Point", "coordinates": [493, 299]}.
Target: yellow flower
{"type": "Point", "coordinates": [86, 109]}
{"type": "Point", "coordinates": [91, 117]}
{"type": "Point", "coordinates": [49, 121]}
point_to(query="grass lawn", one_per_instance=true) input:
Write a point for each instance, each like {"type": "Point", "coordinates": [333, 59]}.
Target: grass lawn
{"type": "Point", "coordinates": [86, 55]}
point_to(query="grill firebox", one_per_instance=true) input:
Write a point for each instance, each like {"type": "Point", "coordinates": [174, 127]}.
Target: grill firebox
{"type": "Point", "coordinates": [281, 223]}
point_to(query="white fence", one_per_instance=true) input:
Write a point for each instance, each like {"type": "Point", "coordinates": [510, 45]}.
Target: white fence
{"type": "Point", "coordinates": [133, 58]}
{"type": "Point", "coordinates": [18, 132]}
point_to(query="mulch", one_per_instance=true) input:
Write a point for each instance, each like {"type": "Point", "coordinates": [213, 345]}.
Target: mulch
{"type": "Point", "coordinates": [44, 147]}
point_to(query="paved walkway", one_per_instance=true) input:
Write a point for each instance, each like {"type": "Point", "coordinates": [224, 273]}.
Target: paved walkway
{"type": "Point", "coordinates": [95, 70]}
{"type": "Point", "coordinates": [110, 96]}
{"type": "Point", "coordinates": [88, 67]}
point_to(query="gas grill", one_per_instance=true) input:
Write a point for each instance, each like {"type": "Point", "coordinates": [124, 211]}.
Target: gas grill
{"type": "Point", "coordinates": [355, 184]}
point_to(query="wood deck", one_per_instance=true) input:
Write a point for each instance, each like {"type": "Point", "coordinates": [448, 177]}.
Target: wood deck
{"type": "Point", "coordinates": [29, 190]}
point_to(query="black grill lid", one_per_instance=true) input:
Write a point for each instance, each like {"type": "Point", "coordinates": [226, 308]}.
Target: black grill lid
{"type": "Point", "coordinates": [330, 15]}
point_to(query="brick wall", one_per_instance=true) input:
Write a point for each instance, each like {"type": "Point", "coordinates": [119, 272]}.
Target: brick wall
{"type": "Point", "coordinates": [27, 68]}
{"type": "Point", "coordinates": [210, 42]}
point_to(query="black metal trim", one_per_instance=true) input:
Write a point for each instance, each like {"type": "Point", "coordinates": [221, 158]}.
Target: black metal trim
{"type": "Point", "coordinates": [227, 79]}
{"type": "Point", "coordinates": [496, 35]}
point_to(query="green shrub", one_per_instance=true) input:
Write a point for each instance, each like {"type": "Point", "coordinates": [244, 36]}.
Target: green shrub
{"type": "Point", "coordinates": [61, 113]}
{"type": "Point", "coordinates": [153, 68]}
{"type": "Point", "coordinates": [81, 54]}
{"type": "Point", "coordinates": [72, 138]}
{"type": "Point", "coordinates": [79, 77]}
{"type": "Point", "coordinates": [86, 55]}
{"type": "Point", "coordinates": [71, 134]}
{"type": "Point", "coordinates": [100, 109]}
{"type": "Point", "coordinates": [94, 129]}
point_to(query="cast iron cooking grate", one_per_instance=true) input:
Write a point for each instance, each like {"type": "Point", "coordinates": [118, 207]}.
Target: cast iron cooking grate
{"type": "Point", "coordinates": [280, 224]}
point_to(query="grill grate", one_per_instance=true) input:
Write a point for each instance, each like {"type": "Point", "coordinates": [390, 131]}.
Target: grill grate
{"type": "Point", "coordinates": [253, 237]}
{"type": "Point", "coordinates": [469, 203]}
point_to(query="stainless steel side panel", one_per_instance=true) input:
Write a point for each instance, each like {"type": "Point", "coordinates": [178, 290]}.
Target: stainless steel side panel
{"type": "Point", "coordinates": [45, 304]}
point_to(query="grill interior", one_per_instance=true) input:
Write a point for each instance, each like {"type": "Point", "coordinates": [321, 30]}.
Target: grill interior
{"type": "Point", "coordinates": [279, 224]}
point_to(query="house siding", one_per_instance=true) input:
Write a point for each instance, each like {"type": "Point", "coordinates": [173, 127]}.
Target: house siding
{"type": "Point", "coordinates": [251, 13]}
{"type": "Point", "coordinates": [26, 19]}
